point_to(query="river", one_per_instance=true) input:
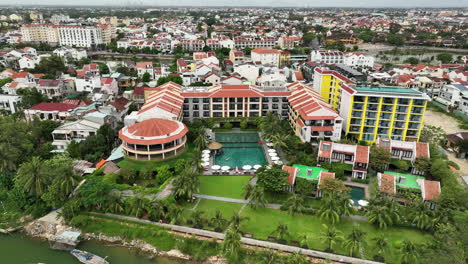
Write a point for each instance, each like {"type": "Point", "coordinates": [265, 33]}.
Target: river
{"type": "Point", "coordinates": [19, 249]}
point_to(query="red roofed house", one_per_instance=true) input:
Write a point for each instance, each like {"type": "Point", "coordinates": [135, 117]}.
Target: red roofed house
{"type": "Point", "coordinates": [386, 183]}
{"type": "Point", "coordinates": [310, 117]}
{"type": "Point", "coordinates": [145, 67]}
{"type": "Point", "coordinates": [430, 191]}
{"type": "Point", "coordinates": [321, 180]}
{"type": "Point", "coordinates": [51, 88]}
{"type": "Point", "coordinates": [153, 139]}
{"type": "Point", "coordinates": [356, 155]}
{"type": "Point", "coordinates": [7, 73]}
{"type": "Point", "coordinates": [266, 56]}
{"type": "Point", "coordinates": [49, 111]}
{"type": "Point", "coordinates": [405, 150]}
{"type": "Point", "coordinates": [109, 86]}
{"type": "Point", "coordinates": [292, 171]}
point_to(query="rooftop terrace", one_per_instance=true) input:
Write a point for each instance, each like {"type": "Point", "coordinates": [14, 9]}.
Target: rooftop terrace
{"type": "Point", "coordinates": [307, 172]}
{"type": "Point", "coordinates": [405, 180]}
{"type": "Point", "coordinates": [374, 89]}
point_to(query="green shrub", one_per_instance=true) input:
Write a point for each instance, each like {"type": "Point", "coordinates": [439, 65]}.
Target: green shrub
{"type": "Point", "coordinates": [80, 221]}
{"type": "Point", "coordinates": [453, 164]}
{"type": "Point", "coordinates": [110, 178]}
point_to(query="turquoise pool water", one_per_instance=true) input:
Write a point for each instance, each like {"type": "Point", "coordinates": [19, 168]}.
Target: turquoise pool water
{"type": "Point", "coordinates": [239, 149]}
{"type": "Point", "coordinates": [357, 193]}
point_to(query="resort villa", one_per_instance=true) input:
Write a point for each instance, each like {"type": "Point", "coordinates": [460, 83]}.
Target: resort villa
{"type": "Point", "coordinates": [356, 155]}
{"type": "Point", "coordinates": [405, 150]}
{"type": "Point", "coordinates": [397, 184]}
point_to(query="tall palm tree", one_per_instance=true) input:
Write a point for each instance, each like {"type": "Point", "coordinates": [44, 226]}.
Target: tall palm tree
{"type": "Point", "coordinates": [409, 253]}
{"type": "Point", "coordinates": [257, 197]}
{"type": "Point", "coordinates": [114, 203]}
{"type": "Point", "coordinates": [201, 141]}
{"type": "Point", "coordinates": [383, 212]}
{"type": "Point", "coordinates": [137, 205]}
{"type": "Point", "coordinates": [186, 184]}
{"type": "Point", "coordinates": [422, 216]}
{"type": "Point", "coordinates": [355, 241]}
{"type": "Point", "coordinates": [294, 204]}
{"type": "Point", "coordinates": [232, 243]}
{"type": "Point", "coordinates": [175, 213]}
{"type": "Point", "coordinates": [330, 235]}
{"type": "Point", "coordinates": [329, 210]}
{"type": "Point", "coordinates": [237, 219]}
{"type": "Point", "coordinates": [218, 221]}
{"type": "Point", "coordinates": [248, 189]}
{"type": "Point", "coordinates": [280, 140]}
{"type": "Point", "coordinates": [32, 177]}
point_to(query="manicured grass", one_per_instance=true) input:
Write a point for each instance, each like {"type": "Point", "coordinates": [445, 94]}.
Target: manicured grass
{"type": "Point", "coordinates": [140, 164]}
{"type": "Point", "coordinates": [209, 208]}
{"type": "Point", "coordinates": [263, 223]}
{"type": "Point", "coordinates": [224, 186]}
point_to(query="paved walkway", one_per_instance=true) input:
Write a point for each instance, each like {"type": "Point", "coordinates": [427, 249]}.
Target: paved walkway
{"type": "Point", "coordinates": [232, 200]}
{"type": "Point", "coordinates": [248, 241]}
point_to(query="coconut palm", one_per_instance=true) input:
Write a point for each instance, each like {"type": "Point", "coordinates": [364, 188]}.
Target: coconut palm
{"type": "Point", "coordinates": [248, 189]}
{"type": "Point", "coordinates": [201, 141]}
{"type": "Point", "coordinates": [218, 221]}
{"type": "Point", "coordinates": [422, 216]}
{"type": "Point", "coordinates": [409, 253]}
{"type": "Point", "coordinates": [137, 205]}
{"type": "Point", "coordinates": [355, 241]}
{"type": "Point", "coordinates": [175, 213]}
{"type": "Point", "coordinates": [186, 184]}
{"type": "Point", "coordinates": [32, 177]}
{"type": "Point", "coordinates": [114, 203]}
{"type": "Point", "coordinates": [330, 235]}
{"type": "Point", "coordinates": [329, 210]}
{"type": "Point", "coordinates": [257, 197]}
{"type": "Point", "coordinates": [232, 243]}
{"type": "Point", "coordinates": [281, 231]}
{"type": "Point", "coordinates": [383, 212]}
{"type": "Point", "coordinates": [294, 204]}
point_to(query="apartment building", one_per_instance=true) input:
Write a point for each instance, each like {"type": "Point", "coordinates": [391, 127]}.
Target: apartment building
{"type": "Point", "coordinates": [382, 112]}
{"type": "Point", "coordinates": [40, 33]}
{"type": "Point", "coordinates": [328, 84]}
{"type": "Point", "coordinates": [192, 44]}
{"type": "Point", "coordinates": [327, 57]}
{"type": "Point", "coordinates": [356, 155]}
{"type": "Point", "coordinates": [357, 59]}
{"type": "Point", "coordinates": [145, 67]}
{"type": "Point", "coordinates": [266, 56]}
{"type": "Point", "coordinates": [310, 117]}
{"type": "Point", "coordinates": [242, 43]}
{"type": "Point", "coordinates": [65, 35]}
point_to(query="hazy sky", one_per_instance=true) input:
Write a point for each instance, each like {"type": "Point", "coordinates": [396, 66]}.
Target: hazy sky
{"type": "Point", "coordinates": [300, 3]}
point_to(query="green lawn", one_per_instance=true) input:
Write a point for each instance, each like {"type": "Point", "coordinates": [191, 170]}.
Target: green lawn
{"type": "Point", "coordinates": [224, 186]}
{"type": "Point", "coordinates": [140, 164]}
{"type": "Point", "coordinates": [264, 221]}
{"type": "Point", "coordinates": [209, 208]}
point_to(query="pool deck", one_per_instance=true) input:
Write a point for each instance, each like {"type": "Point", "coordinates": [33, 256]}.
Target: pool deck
{"type": "Point", "coordinates": [360, 185]}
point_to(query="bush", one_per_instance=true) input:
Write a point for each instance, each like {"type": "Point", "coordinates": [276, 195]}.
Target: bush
{"type": "Point", "coordinates": [453, 164]}
{"type": "Point", "coordinates": [80, 221]}
{"type": "Point", "coordinates": [110, 178]}
{"type": "Point", "coordinates": [398, 244]}
{"type": "Point", "coordinates": [365, 181]}
{"type": "Point", "coordinates": [227, 125]}
{"type": "Point", "coordinates": [401, 165]}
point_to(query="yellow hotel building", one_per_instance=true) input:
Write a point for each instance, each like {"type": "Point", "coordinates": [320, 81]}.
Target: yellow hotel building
{"type": "Point", "coordinates": [328, 84]}
{"type": "Point", "coordinates": [382, 112]}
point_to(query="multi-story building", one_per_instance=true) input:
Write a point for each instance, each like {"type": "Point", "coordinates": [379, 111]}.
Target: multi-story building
{"type": "Point", "coordinates": [145, 67]}
{"type": "Point", "coordinates": [357, 59]}
{"type": "Point", "coordinates": [192, 44]}
{"type": "Point", "coordinates": [310, 117]}
{"type": "Point", "coordinates": [10, 103]}
{"type": "Point", "coordinates": [289, 42]}
{"type": "Point", "coordinates": [356, 155]}
{"type": "Point", "coordinates": [327, 57]}
{"type": "Point", "coordinates": [266, 56]}
{"type": "Point", "coordinates": [80, 36]}
{"type": "Point", "coordinates": [328, 84]}
{"type": "Point", "coordinates": [40, 33]}
{"type": "Point", "coordinates": [242, 43]}
{"type": "Point", "coordinates": [382, 112]}
{"type": "Point", "coordinates": [406, 150]}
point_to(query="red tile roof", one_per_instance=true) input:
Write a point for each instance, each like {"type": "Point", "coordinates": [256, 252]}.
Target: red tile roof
{"type": "Point", "coordinates": [387, 183]}
{"type": "Point", "coordinates": [153, 131]}
{"type": "Point", "coordinates": [325, 175]}
{"type": "Point", "coordinates": [292, 173]}
{"type": "Point", "coordinates": [265, 51]}
{"type": "Point", "coordinates": [53, 107]}
{"type": "Point", "coordinates": [431, 190]}
{"type": "Point", "coordinates": [362, 154]}
{"type": "Point", "coordinates": [422, 150]}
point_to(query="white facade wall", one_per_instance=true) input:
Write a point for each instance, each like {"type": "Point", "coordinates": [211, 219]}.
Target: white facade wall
{"type": "Point", "coordinates": [80, 36]}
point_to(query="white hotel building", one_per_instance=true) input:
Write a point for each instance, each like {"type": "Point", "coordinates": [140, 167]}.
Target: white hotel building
{"type": "Point", "coordinates": [80, 36]}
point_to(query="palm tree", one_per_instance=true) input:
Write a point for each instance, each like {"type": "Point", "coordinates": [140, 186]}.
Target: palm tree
{"type": "Point", "coordinates": [201, 141]}
{"type": "Point", "coordinates": [137, 205]}
{"type": "Point", "coordinates": [257, 197]}
{"type": "Point", "coordinates": [186, 184]}
{"type": "Point", "coordinates": [114, 203]}
{"type": "Point", "coordinates": [281, 231]}
{"type": "Point", "coordinates": [329, 210]}
{"type": "Point", "coordinates": [7, 158]}
{"type": "Point", "coordinates": [294, 204]}
{"type": "Point", "coordinates": [248, 189]}
{"type": "Point", "coordinates": [422, 216]}
{"type": "Point", "coordinates": [409, 253]}
{"type": "Point", "coordinates": [383, 212]}
{"type": "Point", "coordinates": [232, 243]}
{"type": "Point", "coordinates": [280, 140]}
{"type": "Point", "coordinates": [175, 214]}
{"type": "Point", "coordinates": [330, 236]}
{"type": "Point", "coordinates": [197, 218]}
{"type": "Point", "coordinates": [304, 241]}
{"type": "Point", "coordinates": [237, 219]}
{"type": "Point", "coordinates": [381, 244]}
{"type": "Point", "coordinates": [355, 241]}
{"type": "Point", "coordinates": [32, 177]}
{"type": "Point", "coordinates": [218, 221]}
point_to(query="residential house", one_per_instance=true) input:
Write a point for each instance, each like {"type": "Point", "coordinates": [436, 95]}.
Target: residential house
{"type": "Point", "coordinates": [109, 86]}
{"type": "Point", "coordinates": [454, 139]}
{"type": "Point", "coordinates": [49, 111]}
{"type": "Point", "coordinates": [405, 150]}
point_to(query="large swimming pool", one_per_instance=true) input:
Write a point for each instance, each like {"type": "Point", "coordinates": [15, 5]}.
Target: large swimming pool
{"type": "Point", "coordinates": [239, 149]}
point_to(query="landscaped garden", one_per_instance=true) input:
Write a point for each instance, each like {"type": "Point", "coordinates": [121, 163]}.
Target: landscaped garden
{"type": "Point", "coordinates": [224, 186]}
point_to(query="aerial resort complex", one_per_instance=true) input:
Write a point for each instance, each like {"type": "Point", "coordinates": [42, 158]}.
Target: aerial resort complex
{"type": "Point", "coordinates": [233, 135]}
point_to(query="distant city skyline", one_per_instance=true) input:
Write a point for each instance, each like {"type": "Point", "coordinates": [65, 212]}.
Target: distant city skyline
{"type": "Point", "coordinates": [247, 3]}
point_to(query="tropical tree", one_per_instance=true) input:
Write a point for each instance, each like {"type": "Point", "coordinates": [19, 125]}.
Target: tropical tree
{"type": "Point", "coordinates": [257, 197]}
{"type": "Point", "coordinates": [175, 213]}
{"type": "Point", "coordinates": [114, 203]}
{"type": "Point", "coordinates": [330, 235]}
{"type": "Point", "coordinates": [137, 206]}
{"type": "Point", "coordinates": [201, 141]}
{"type": "Point", "coordinates": [272, 180]}
{"type": "Point", "coordinates": [232, 243]}
{"type": "Point", "coordinates": [197, 218]}
{"type": "Point", "coordinates": [294, 204]}
{"type": "Point", "coordinates": [409, 253]}
{"type": "Point", "coordinates": [383, 212]}
{"type": "Point", "coordinates": [381, 245]}
{"type": "Point", "coordinates": [218, 221]}
{"type": "Point", "coordinates": [186, 183]}
{"type": "Point", "coordinates": [281, 231]}
{"type": "Point", "coordinates": [422, 216]}
{"type": "Point", "coordinates": [248, 189]}
{"type": "Point", "coordinates": [379, 158]}
{"type": "Point", "coordinates": [32, 177]}
{"type": "Point", "coordinates": [237, 219]}
{"type": "Point", "coordinates": [354, 242]}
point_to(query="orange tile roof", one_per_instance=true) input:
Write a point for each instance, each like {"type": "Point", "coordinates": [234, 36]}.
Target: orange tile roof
{"type": "Point", "coordinates": [431, 190]}
{"type": "Point", "coordinates": [387, 183]}
{"type": "Point", "coordinates": [292, 173]}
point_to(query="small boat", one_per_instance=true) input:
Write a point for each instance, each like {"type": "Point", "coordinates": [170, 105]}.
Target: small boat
{"type": "Point", "coordinates": [88, 258]}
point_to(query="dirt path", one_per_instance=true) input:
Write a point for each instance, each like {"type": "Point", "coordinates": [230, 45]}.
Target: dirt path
{"type": "Point", "coordinates": [450, 126]}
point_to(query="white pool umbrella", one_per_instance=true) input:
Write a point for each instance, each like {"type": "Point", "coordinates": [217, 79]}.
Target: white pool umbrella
{"type": "Point", "coordinates": [351, 201]}
{"type": "Point", "coordinates": [273, 154]}
{"type": "Point", "coordinates": [206, 151]}
{"type": "Point", "coordinates": [278, 162]}
{"type": "Point", "coordinates": [274, 158]}
{"type": "Point", "coordinates": [257, 166]}
{"type": "Point", "coordinates": [269, 144]}
{"type": "Point", "coordinates": [225, 168]}
{"type": "Point", "coordinates": [363, 203]}
{"type": "Point", "coordinates": [205, 155]}
{"type": "Point", "coordinates": [206, 159]}
{"type": "Point", "coordinates": [215, 167]}
{"type": "Point", "coordinates": [246, 167]}
{"type": "Point", "coordinates": [272, 150]}
{"type": "Point", "coordinates": [205, 164]}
